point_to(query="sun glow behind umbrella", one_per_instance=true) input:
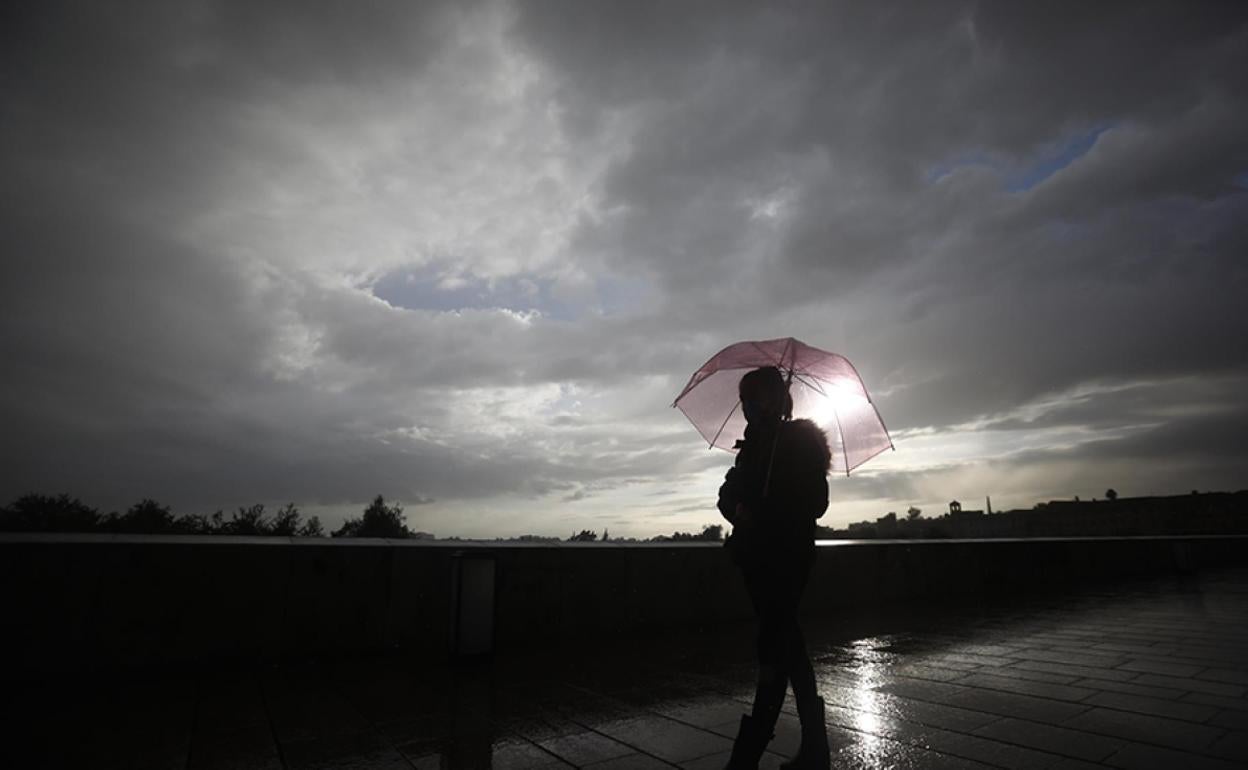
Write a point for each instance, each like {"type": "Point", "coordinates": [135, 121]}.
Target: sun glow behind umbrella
{"type": "Point", "coordinates": [825, 411]}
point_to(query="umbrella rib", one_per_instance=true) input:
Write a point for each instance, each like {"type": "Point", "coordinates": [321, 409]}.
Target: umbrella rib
{"type": "Point", "coordinates": [731, 412]}
{"type": "Point", "coordinates": [841, 431]}
{"type": "Point", "coordinates": [788, 345]}
{"type": "Point", "coordinates": [766, 354]}
{"type": "Point", "coordinates": [813, 383]}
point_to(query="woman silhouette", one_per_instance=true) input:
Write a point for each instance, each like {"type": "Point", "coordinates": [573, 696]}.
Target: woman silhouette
{"type": "Point", "coordinates": [772, 496]}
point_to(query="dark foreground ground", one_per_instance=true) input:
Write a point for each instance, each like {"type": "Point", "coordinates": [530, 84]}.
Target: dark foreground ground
{"type": "Point", "coordinates": [1148, 675]}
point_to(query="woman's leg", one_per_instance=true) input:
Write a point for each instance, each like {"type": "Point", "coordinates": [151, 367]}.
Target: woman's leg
{"type": "Point", "coordinates": [797, 658]}
{"type": "Point", "coordinates": [770, 648]}
{"type": "Point", "coordinates": [798, 667]}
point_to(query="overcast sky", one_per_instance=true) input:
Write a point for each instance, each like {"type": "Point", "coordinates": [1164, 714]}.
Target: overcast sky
{"type": "Point", "coordinates": [466, 256]}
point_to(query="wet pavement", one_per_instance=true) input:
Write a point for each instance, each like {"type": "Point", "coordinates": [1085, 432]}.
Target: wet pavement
{"type": "Point", "coordinates": [1135, 675]}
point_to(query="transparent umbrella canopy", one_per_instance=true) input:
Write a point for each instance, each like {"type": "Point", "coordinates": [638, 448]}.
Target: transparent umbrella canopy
{"type": "Point", "coordinates": [825, 387]}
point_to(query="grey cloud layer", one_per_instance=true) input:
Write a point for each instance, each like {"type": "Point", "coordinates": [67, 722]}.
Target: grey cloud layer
{"type": "Point", "coordinates": [199, 197]}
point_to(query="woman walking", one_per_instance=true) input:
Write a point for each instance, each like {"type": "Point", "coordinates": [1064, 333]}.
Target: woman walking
{"type": "Point", "coordinates": [772, 496]}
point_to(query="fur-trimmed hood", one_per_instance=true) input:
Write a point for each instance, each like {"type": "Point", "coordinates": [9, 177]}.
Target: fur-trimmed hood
{"type": "Point", "coordinates": [807, 437]}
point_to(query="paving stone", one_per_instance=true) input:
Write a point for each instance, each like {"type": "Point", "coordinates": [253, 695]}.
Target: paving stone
{"type": "Point", "coordinates": [1144, 728]}
{"type": "Point", "coordinates": [1057, 740]}
{"type": "Point", "coordinates": [1071, 658]}
{"type": "Point", "coordinates": [977, 748]}
{"type": "Point", "coordinates": [912, 717]}
{"type": "Point", "coordinates": [1076, 764]}
{"type": "Point", "coordinates": [1018, 705]}
{"type": "Point", "coordinates": [521, 755]}
{"type": "Point", "coordinates": [1228, 675]}
{"type": "Point", "coordinates": [883, 753]}
{"type": "Point", "coordinates": [631, 762]}
{"type": "Point", "coordinates": [974, 660]}
{"type": "Point", "coordinates": [769, 761]}
{"type": "Point", "coordinates": [1232, 720]}
{"type": "Point", "coordinates": [1191, 712]}
{"type": "Point", "coordinates": [1232, 746]}
{"type": "Point", "coordinates": [948, 662]}
{"type": "Point", "coordinates": [940, 715]}
{"type": "Point", "coordinates": [1027, 687]}
{"type": "Point", "coordinates": [585, 747]}
{"type": "Point", "coordinates": [938, 692]}
{"type": "Point", "coordinates": [1147, 666]}
{"type": "Point", "coordinates": [1130, 688]}
{"type": "Point", "coordinates": [1146, 649]}
{"type": "Point", "coordinates": [1233, 704]}
{"type": "Point", "coordinates": [1189, 684]}
{"type": "Point", "coordinates": [1015, 672]}
{"type": "Point", "coordinates": [1135, 756]}
{"type": "Point", "coordinates": [998, 650]}
{"type": "Point", "coordinates": [1090, 672]}
{"type": "Point", "coordinates": [932, 672]}
{"type": "Point", "coordinates": [665, 738]}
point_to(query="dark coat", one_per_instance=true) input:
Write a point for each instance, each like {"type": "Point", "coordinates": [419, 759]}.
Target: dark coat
{"type": "Point", "coordinates": [783, 511]}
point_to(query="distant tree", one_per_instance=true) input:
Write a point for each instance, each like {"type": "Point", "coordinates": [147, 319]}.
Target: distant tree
{"type": "Point", "coordinates": [712, 532]}
{"type": "Point", "coordinates": [44, 513]}
{"type": "Point", "coordinates": [285, 521]}
{"type": "Point", "coordinates": [144, 517]}
{"type": "Point", "coordinates": [379, 520]}
{"type": "Point", "coordinates": [913, 513]}
{"type": "Point", "coordinates": [1111, 494]}
{"type": "Point", "coordinates": [584, 536]}
{"type": "Point", "coordinates": [193, 524]}
{"type": "Point", "coordinates": [249, 521]}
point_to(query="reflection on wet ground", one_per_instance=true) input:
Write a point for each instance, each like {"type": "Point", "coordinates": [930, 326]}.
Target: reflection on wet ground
{"type": "Point", "coordinates": [1134, 675]}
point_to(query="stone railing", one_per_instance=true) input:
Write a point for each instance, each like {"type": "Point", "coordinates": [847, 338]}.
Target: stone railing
{"type": "Point", "coordinates": [99, 602]}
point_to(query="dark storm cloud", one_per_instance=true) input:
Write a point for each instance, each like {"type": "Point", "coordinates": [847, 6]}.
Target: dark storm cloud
{"type": "Point", "coordinates": [1119, 265]}
{"type": "Point", "coordinates": [987, 207]}
{"type": "Point", "coordinates": [135, 357]}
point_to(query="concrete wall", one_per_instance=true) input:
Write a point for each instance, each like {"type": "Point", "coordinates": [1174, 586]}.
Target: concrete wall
{"type": "Point", "coordinates": [97, 602]}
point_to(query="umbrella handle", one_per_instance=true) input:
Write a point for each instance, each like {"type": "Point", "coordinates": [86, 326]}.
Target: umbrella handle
{"type": "Point", "coordinates": [771, 461]}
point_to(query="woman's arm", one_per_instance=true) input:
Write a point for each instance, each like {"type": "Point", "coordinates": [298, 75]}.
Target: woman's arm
{"type": "Point", "coordinates": [730, 495]}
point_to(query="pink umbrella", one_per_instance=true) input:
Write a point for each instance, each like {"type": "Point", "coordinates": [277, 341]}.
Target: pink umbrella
{"type": "Point", "coordinates": [825, 387]}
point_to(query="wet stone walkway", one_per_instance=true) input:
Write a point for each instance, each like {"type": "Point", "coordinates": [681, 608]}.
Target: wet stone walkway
{"type": "Point", "coordinates": [1139, 675]}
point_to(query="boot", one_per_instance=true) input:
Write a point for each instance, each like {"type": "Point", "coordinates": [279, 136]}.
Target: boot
{"type": "Point", "coordinates": [747, 749]}
{"type": "Point", "coordinates": [813, 754]}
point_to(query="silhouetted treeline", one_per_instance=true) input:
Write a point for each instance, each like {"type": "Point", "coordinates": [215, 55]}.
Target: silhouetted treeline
{"type": "Point", "coordinates": [709, 533]}
{"type": "Point", "coordinates": [380, 520]}
{"type": "Point", "coordinates": [1198, 513]}
{"type": "Point", "coordinates": [62, 513]}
